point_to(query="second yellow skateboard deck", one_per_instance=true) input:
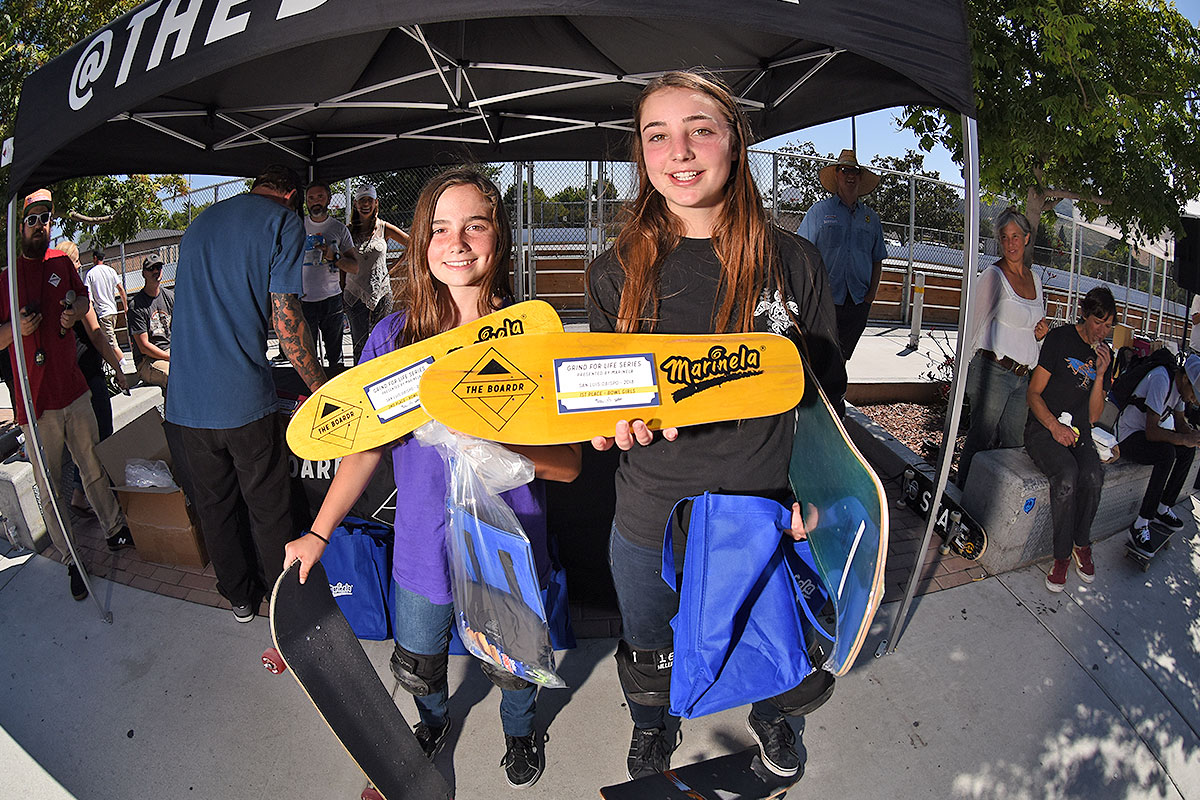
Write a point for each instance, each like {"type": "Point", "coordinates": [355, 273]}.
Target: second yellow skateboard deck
{"type": "Point", "coordinates": [570, 387]}
{"type": "Point", "coordinates": [376, 402]}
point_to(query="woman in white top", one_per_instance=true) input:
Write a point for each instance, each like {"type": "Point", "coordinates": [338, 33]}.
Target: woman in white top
{"type": "Point", "coordinates": [368, 294]}
{"type": "Point", "coordinates": [1009, 322]}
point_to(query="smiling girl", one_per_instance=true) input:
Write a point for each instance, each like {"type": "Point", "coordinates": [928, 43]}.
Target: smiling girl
{"type": "Point", "coordinates": [457, 266]}
{"type": "Point", "coordinates": [699, 254]}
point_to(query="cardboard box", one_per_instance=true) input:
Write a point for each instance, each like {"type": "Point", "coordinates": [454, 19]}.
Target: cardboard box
{"type": "Point", "coordinates": [1122, 336]}
{"type": "Point", "coordinates": [162, 526]}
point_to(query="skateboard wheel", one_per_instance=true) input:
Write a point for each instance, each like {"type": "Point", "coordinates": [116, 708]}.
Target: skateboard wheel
{"type": "Point", "coordinates": [370, 793]}
{"type": "Point", "coordinates": [273, 661]}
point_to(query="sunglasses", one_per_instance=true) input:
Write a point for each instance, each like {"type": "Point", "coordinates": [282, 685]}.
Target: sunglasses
{"type": "Point", "coordinates": [152, 269]}
{"type": "Point", "coordinates": [38, 219]}
{"type": "Point", "coordinates": [849, 170]}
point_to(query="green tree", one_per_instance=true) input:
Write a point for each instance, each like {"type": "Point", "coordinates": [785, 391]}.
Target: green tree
{"type": "Point", "coordinates": [799, 187]}
{"type": "Point", "coordinates": [32, 32]}
{"type": "Point", "coordinates": [937, 205]}
{"type": "Point", "coordinates": [1088, 100]}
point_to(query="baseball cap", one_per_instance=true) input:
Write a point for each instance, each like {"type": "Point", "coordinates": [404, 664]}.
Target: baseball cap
{"type": "Point", "coordinates": [1192, 367]}
{"type": "Point", "coordinates": [149, 262]}
{"type": "Point", "coordinates": [41, 197]}
{"type": "Point", "coordinates": [365, 190]}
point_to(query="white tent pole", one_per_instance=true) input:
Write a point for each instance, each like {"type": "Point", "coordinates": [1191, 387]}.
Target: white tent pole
{"type": "Point", "coordinates": [970, 266]}
{"type": "Point", "coordinates": [33, 442]}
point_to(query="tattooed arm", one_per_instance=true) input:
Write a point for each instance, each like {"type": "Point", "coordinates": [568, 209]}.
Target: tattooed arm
{"type": "Point", "coordinates": [295, 339]}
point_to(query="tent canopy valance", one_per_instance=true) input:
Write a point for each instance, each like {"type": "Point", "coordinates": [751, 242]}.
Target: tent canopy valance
{"type": "Point", "coordinates": [346, 87]}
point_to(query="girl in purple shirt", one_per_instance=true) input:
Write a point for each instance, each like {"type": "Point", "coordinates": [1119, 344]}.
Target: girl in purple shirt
{"type": "Point", "coordinates": [457, 267]}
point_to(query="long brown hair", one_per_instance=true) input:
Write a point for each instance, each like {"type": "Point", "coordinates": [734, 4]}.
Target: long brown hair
{"type": "Point", "coordinates": [428, 306]}
{"type": "Point", "coordinates": [743, 238]}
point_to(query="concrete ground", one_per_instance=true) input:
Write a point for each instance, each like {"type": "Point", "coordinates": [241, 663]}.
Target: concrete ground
{"type": "Point", "coordinates": [998, 689]}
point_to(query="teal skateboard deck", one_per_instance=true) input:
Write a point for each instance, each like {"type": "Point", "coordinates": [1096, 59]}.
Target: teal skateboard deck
{"type": "Point", "coordinates": [849, 544]}
{"type": "Point", "coordinates": [737, 776]}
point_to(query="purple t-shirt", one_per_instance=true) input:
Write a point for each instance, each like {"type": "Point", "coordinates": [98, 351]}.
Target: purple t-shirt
{"type": "Point", "coordinates": [419, 561]}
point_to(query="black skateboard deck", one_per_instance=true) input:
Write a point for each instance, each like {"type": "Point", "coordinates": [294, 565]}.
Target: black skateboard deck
{"type": "Point", "coordinates": [320, 649]}
{"type": "Point", "coordinates": [960, 533]}
{"type": "Point", "coordinates": [737, 776]}
{"type": "Point", "coordinates": [1160, 537]}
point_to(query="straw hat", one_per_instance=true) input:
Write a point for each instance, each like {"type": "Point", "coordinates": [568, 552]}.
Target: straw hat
{"type": "Point", "coordinates": [867, 180]}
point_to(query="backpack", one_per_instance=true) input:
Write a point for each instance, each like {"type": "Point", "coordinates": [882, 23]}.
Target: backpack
{"type": "Point", "coordinates": [1138, 368]}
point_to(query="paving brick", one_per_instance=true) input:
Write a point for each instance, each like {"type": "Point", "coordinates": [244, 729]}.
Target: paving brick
{"type": "Point", "coordinates": [206, 598]}
{"type": "Point", "coordinates": [198, 582]}
{"type": "Point", "coordinates": [953, 579]}
{"type": "Point", "coordinates": [143, 568]}
{"type": "Point", "coordinates": [178, 592]}
{"type": "Point", "coordinates": [166, 575]}
{"type": "Point", "coordinates": [144, 583]}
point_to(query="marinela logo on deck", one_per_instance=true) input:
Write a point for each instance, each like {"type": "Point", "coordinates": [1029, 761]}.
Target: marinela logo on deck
{"type": "Point", "coordinates": [720, 366]}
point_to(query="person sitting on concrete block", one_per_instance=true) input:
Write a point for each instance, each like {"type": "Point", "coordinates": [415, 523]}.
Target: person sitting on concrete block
{"type": "Point", "coordinates": [1152, 430]}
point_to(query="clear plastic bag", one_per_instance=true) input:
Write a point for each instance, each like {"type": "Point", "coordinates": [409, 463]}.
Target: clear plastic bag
{"type": "Point", "coordinates": [498, 604]}
{"type": "Point", "coordinates": [144, 474]}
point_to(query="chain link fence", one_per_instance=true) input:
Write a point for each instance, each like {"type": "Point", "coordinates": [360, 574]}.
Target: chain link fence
{"type": "Point", "coordinates": [565, 213]}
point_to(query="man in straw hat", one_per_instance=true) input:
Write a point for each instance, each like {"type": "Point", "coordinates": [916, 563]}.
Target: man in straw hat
{"type": "Point", "coordinates": [850, 239]}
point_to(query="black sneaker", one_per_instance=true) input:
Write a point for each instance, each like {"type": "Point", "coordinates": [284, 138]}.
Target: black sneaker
{"type": "Point", "coordinates": [120, 540]}
{"type": "Point", "coordinates": [1168, 519]}
{"type": "Point", "coordinates": [649, 753]}
{"type": "Point", "coordinates": [1139, 539]}
{"type": "Point", "coordinates": [522, 761]}
{"type": "Point", "coordinates": [776, 745]}
{"type": "Point", "coordinates": [243, 613]}
{"type": "Point", "coordinates": [78, 587]}
{"type": "Point", "coordinates": [431, 739]}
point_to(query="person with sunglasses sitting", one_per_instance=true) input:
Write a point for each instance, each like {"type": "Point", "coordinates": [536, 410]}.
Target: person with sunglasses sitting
{"type": "Point", "coordinates": [150, 325]}
{"type": "Point", "coordinates": [850, 238]}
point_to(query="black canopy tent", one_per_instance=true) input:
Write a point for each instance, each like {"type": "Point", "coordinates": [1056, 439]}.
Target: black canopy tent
{"type": "Point", "coordinates": [338, 88]}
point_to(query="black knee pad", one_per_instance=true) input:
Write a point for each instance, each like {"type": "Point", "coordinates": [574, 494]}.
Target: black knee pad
{"type": "Point", "coordinates": [645, 674]}
{"type": "Point", "coordinates": [502, 677]}
{"type": "Point", "coordinates": [419, 674]}
{"type": "Point", "coordinates": [808, 696]}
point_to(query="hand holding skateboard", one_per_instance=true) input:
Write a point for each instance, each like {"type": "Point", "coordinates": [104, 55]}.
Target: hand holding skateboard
{"type": "Point", "coordinates": [308, 550]}
{"type": "Point", "coordinates": [628, 433]}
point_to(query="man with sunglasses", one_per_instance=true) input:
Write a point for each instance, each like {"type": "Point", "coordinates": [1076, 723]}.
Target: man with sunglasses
{"type": "Point", "coordinates": [52, 299]}
{"type": "Point", "coordinates": [850, 239]}
{"type": "Point", "coordinates": [150, 325]}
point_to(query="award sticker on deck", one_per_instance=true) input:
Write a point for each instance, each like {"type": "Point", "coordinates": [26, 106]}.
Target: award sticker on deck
{"type": "Point", "coordinates": [396, 394]}
{"type": "Point", "coordinates": [605, 383]}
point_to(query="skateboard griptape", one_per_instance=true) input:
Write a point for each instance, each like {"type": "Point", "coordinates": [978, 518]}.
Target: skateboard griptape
{"type": "Point", "coordinates": [321, 651]}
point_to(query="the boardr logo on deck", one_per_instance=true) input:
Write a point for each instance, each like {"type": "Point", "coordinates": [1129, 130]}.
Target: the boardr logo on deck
{"type": "Point", "coordinates": [495, 389]}
{"type": "Point", "coordinates": [336, 422]}
{"type": "Point", "coordinates": [719, 367]}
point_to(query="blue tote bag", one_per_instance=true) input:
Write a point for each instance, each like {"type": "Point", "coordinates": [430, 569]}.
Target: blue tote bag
{"type": "Point", "coordinates": [739, 634]}
{"type": "Point", "coordinates": [358, 561]}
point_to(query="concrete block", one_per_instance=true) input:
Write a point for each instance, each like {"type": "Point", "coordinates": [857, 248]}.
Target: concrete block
{"type": "Point", "coordinates": [19, 504]}
{"type": "Point", "coordinates": [1010, 498]}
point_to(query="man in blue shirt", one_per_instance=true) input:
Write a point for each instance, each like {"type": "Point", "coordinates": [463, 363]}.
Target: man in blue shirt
{"type": "Point", "coordinates": [239, 267]}
{"type": "Point", "coordinates": [850, 239]}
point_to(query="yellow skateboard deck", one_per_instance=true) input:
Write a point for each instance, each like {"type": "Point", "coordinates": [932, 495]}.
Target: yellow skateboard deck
{"type": "Point", "coordinates": [569, 387]}
{"type": "Point", "coordinates": [376, 402]}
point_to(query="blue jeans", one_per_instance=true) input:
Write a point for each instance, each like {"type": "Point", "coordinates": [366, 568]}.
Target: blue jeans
{"type": "Point", "coordinates": [647, 605]}
{"type": "Point", "coordinates": [363, 320]}
{"type": "Point", "coordinates": [998, 410]}
{"type": "Point", "coordinates": [423, 627]}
